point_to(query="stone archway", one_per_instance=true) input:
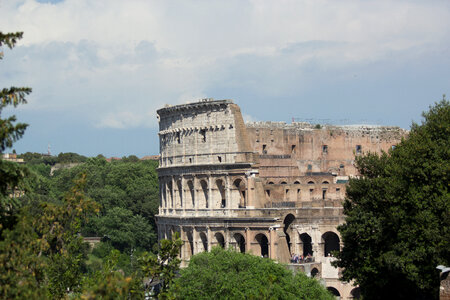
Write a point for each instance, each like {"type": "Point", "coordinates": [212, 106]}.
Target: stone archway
{"type": "Point", "coordinates": [238, 193]}
{"type": "Point", "coordinates": [331, 243]}
{"type": "Point", "coordinates": [220, 239]}
{"type": "Point", "coordinates": [287, 230]}
{"type": "Point", "coordinates": [307, 244]}
{"type": "Point", "coordinates": [204, 240]}
{"type": "Point", "coordinates": [263, 242]}
{"type": "Point", "coordinates": [204, 193]}
{"type": "Point", "coordinates": [191, 193]}
{"type": "Point", "coordinates": [334, 291]}
{"type": "Point", "coordinates": [240, 242]}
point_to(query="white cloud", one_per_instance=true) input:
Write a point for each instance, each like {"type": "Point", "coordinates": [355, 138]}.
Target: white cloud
{"type": "Point", "coordinates": [113, 61]}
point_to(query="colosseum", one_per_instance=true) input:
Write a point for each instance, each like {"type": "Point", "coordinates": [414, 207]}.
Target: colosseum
{"type": "Point", "coordinates": [268, 188]}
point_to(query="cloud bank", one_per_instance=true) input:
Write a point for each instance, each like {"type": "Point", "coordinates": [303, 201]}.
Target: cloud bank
{"type": "Point", "coordinates": [111, 64]}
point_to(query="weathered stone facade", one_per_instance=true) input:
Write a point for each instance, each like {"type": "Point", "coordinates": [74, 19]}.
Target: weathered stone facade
{"type": "Point", "coordinates": [271, 189]}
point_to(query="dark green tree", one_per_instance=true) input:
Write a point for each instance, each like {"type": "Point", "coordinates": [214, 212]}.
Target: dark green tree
{"type": "Point", "coordinates": [11, 174]}
{"type": "Point", "coordinates": [397, 227]}
{"type": "Point", "coordinates": [226, 274]}
{"type": "Point", "coordinates": [165, 266]}
{"type": "Point", "coordinates": [124, 230]}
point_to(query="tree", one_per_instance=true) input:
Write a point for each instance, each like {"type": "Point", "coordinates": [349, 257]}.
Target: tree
{"type": "Point", "coordinates": [226, 274]}
{"type": "Point", "coordinates": [164, 267]}
{"type": "Point", "coordinates": [11, 174]}
{"type": "Point", "coordinates": [397, 227]}
{"type": "Point", "coordinates": [124, 230]}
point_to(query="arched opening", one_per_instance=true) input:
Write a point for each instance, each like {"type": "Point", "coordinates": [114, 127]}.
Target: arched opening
{"type": "Point", "coordinates": [331, 242]}
{"type": "Point", "coordinates": [307, 245]}
{"type": "Point", "coordinates": [190, 246]}
{"type": "Point", "coordinates": [270, 182]}
{"type": "Point", "coordinates": [311, 182]}
{"type": "Point", "coordinates": [240, 242]}
{"type": "Point", "coordinates": [325, 182]}
{"type": "Point", "coordinates": [220, 239]}
{"type": "Point", "coordinates": [334, 291]}
{"type": "Point", "coordinates": [238, 193]}
{"type": "Point", "coordinates": [221, 193]}
{"type": "Point", "coordinates": [180, 192]}
{"type": "Point", "coordinates": [314, 272]}
{"type": "Point", "coordinates": [191, 192]}
{"type": "Point", "coordinates": [263, 243]}
{"type": "Point", "coordinates": [204, 241]}
{"type": "Point", "coordinates": [204, 193]}
{"type": "Point", "coordinates": [356, 293]}
{"type": "Point", "coordinates": [296, 182]}
{"type": "Point", "coordinates": [287, 230]}
{"type": "Point", "coordinates": [283, 182]}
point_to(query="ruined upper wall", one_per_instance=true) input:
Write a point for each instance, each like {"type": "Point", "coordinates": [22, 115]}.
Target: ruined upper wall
{"type": "Point", "coordinates": [289, 150]}
{"type": "Point", "coordinates": [205, 132]}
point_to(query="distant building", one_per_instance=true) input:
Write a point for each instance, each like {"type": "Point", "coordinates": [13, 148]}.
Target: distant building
{"type": "Point", "coordinates": [268, 188]}
{"type": "Point", "coordinates": [12, 157]}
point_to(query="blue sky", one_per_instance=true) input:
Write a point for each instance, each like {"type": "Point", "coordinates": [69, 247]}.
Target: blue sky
{"type": "Point", "coordinates": [100, 69]}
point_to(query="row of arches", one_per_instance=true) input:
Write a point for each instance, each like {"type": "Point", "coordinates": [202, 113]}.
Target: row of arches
{"type": "Point", "coordinates": [203, 193]}
{"type": "Point", "coordinates": [297, 182]}
{"type": "Point", "coordinates": [329, 240]}
{"type": "Point", "coordinates": [354, 293]}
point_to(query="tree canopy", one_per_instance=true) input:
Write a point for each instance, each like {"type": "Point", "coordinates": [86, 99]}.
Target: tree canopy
{"type": "Point", "coordinates": [397, 227]}
{"type": "Point", "coordinates": [226, 274]}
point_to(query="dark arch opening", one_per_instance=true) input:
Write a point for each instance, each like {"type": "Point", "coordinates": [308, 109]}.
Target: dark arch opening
{"type": "Point", "coordinates": [325, 182]}
{"type": "Point", "coordinates": [180, 192]}
{"type": "Point", "coordinates": [283, 182]}
{"type": "Point", "coordinates": [220, 239]}
{"type": "Point", "coordinates": [331, 242]}
{"type": "Point", "coordinates": [314, 272]}
{"type": "Point", "coordinates": [204, 241]}
{"type": "Point", "coordinates": [287, 222]}
{"type": "Point", "coordinates": [221, 189]}
{"type": "Point", "coordinates": [270, 182]}
{"type": "Point", "coordinates": [240, 186]}
{"type": "Point", "coordinates": [191, 191]}
{"type": "Point", "coordinates": [356, 293]}
{"type": "Point", "coordinates": [311, 182]}
{"type": "Point", "coordinates": [240, 240]}
{"type": "Point", "coordinates": [205, 191]}
{"type": "Point", "coordinates": [297, 182]}
{"type": "Point", "coordinates": [191, 243]}
{"type": "Point", "coordinates": [334, 291]}
{"type": "Point", "coordinates": [263, 243]}
{"type": "Point", "coordinates": [307, 245]}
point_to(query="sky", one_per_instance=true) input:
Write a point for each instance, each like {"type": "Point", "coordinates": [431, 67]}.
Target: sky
{"type": "Point", "coordinates": [99, 69]}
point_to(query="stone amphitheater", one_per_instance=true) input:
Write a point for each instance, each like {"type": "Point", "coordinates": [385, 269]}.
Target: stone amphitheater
{"type": "Point", "coordinates": [267, 188]}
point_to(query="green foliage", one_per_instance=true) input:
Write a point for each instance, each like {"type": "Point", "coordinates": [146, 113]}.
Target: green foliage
{"type": "Point", "coordinates": [165, 266]}
{"type": "Point", "coordinates": [226, 274]}
{"type": "Point", "coordinates": [125, 230]}
{"type": "Point", "coordinates": [11, 174]}
{"type": "Point", "coordinates": [43, 253]}
{"type": "Point", "coordinates": [397, 228]}
{"type": "Point", "coordinates": [111, 283]}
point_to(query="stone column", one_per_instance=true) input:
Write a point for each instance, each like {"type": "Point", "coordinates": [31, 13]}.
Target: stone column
{"type": "Point", "coordinates": [296, 242]}
{"type": "Point", "coordinates": [195, 238]}
{"type": "Point", "coordinates": [208, 235]}
{"type": "Point", "coordinates": [227, 192]}
{"type": "Point", "coordinates": [209, 200]}
{"type": "Point", "coordinates": [247, 240]}
{"type": "Point", "coordinates": [272, 243]}
{"type": "Point", "coordinates": [195, 183]}
{"type": "Point", "coordinates": [183, 198]}
{"type": "Point", "coordinates": [227, 238]}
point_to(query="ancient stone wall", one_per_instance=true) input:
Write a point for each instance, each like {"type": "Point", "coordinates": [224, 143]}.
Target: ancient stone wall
{"type": "Point", "coordinates": [266, 188]}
